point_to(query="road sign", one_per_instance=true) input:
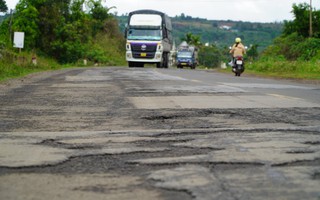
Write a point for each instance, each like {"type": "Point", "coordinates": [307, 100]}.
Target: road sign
{"type": "Point", "coordinates": [18, 41]}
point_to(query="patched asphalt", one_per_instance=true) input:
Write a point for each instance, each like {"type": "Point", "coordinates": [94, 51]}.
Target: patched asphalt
{"type": "Point", "coordinates": [119, 133]}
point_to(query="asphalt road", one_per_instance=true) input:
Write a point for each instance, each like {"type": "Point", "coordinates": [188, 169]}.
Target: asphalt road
{"type": "Point", "coordinates": [146, 133]}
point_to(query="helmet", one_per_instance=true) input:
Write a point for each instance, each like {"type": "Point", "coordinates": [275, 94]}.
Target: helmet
{"type": "Point", "coordinates": [238, 40]}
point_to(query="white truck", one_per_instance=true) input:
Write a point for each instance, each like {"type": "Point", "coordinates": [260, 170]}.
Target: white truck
{"type": "Point", "coordinates": [149, 38]}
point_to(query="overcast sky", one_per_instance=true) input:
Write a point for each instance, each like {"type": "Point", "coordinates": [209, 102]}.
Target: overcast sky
{"type": "Point", "coordinates": [244, 10]}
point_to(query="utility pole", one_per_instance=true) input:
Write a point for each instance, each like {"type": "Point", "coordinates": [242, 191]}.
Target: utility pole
{"type": "Point", "coordinates": [10, 25]}
{"type": "Point", "coordinates": [310, 20]}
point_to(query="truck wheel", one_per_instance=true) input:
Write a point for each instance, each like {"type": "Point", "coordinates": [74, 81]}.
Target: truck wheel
{"type": "Point", "coordinates": [165, 60]}
{"type": "Point", "coordinates": [161, 64]}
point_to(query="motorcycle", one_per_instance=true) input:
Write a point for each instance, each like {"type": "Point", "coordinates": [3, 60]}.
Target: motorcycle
{"type": "Point", "coordinates": [238, 65]}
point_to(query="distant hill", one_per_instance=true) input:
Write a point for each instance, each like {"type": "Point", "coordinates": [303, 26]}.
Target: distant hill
{"type": "Point", "coordinates": [221, 33]}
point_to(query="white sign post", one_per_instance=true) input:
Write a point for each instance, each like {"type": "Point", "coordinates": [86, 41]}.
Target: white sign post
{"type": "Point", "coordinates": [18, 41]}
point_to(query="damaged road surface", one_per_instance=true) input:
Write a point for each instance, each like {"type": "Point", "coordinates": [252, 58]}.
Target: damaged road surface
{"type": "Point", "coordinates": [160, 134]}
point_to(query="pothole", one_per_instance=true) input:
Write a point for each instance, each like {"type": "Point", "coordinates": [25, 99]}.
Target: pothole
{"type": "Point", "coordinates": [312, 142]}
{"type": "Point", "coordinates": [300, 152]}
{"type": "Point", "coordinates": [316, 176]}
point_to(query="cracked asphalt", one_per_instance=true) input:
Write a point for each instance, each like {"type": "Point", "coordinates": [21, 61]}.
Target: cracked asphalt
{"type": "Point", "coordinates": [167, 134]}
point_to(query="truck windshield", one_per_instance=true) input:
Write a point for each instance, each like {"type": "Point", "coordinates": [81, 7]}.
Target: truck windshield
{"type": "Point", "coordinates": [184, 54]}
{"type": "Point", "coordinates": [144, 34]}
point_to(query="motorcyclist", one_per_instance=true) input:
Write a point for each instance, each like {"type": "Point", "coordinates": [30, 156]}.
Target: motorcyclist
{"type": "Point", "coordinates": [237, 49]}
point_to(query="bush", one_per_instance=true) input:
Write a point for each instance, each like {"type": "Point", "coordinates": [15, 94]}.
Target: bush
{"type": "Point", "coordinates": [210, 56]}
{"type": "Point", "coordinates": [293, 47]}
{"type": "Point", "coordinates": [63, 30]}
{"type": "Point", "coordinates": [308, 49]}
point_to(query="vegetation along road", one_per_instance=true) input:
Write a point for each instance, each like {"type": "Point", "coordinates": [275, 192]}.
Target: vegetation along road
{"type": "Point", "coordinates": [146, 133]}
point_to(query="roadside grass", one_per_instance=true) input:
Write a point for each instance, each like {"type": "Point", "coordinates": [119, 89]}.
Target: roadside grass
{"type": "Point", "coordinates": [112, 50]}
{"type": "Point", "coordinates": [14, 65]}
{"type": "Point", "coordinates": [283, 69]}
{"type": "Point", "coordinates": [286, 69]}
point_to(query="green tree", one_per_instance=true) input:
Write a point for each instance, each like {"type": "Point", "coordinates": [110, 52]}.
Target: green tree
{"type": "Point", "coordinates": [192, 39]}
{"type": "Point", "coordinates": [301, 22]}
{"type": "Point", "coordinates": [295, 43]}
{"type": "Point", "coordinates": [52, 14]}
{"type": "Point", "coordinates": [3, 6]}
{"type": "Point", "coordinates": [99, 15]}
{"type": "Point", "coordinates": [69, 45]}
{"type": "Point", "coordinates": [210, 56]}
{"type": "Point", "coordinates": [64, 30]}
{"type": "Point", "coordinates": [26, 20]}
{"type": "Point", "coordinates": [97, 11]}
{"type": "Point", "coordinates": [4, 35]}
{"type": "Point", "coordinates": [253, 52]}
{"type": "Point", "coordinates": [39, 19]}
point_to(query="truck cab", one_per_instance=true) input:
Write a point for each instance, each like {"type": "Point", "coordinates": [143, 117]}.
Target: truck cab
{"type": "Point", "coordinates": [149, 38]}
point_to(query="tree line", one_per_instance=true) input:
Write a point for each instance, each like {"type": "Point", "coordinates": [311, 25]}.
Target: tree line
{"type": "Point", "coordinates": [295, 43]}
{"type": "Point", "coordinates": [67, 30]}
{"type": "Point", "coordinates": [3, 6]}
